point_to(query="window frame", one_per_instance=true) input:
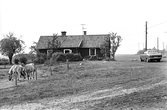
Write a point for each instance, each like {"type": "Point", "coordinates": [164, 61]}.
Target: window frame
{"type": "Point", "coordinates": [51, 51]}
{"type": "Point", "coordinates": [70, 51]}
{"type": "Point", "coordinates": [90, 51]}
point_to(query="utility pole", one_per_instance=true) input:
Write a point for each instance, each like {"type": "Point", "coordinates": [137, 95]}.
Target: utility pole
{"type": "Point", "coordinates": [146, 37]}
{"type": "Point", "coordinates": [110, 47]}
{"type": "Point", "coordinates": [83, 28]}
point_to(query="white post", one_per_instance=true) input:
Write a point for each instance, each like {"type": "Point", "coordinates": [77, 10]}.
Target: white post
{"type": "Point", "coordinates": [36, 74]}
{"type": "Point", "coordinates": [15, 74]}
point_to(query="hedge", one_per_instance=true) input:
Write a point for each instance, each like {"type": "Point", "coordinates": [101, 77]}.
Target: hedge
{"type": "Point", "coordinates": [61, 57]}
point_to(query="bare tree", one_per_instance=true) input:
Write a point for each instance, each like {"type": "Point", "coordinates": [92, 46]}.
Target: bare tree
{"type": "Point", "coordinates": [53, 44]}
{"type": "Point", "coordinates": [33, 48]}
{"type": "Point", "coordinates": [110, 45]}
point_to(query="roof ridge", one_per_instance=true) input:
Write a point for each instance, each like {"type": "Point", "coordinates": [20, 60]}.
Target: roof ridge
{"type": "Point", "coordinates": [87, 41]}
{"type": "Point", "coordinates": [75, 35]}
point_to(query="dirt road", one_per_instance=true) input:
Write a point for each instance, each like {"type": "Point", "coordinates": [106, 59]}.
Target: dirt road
{"type": "Point", "coordinates": [84, 101]}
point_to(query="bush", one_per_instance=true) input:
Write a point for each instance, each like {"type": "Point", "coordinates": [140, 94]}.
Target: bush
{"type": "Point", "coordinates": [77, 57]}
{"type": "Point", "coordinates": [23, 59]}
{"type": "Point", "coordinates": [39, 60]}
{"type": "Point", "coordinates": [16, 61]}
{"type": "Point", "coordinates": [92, 57]}
{"type": "Point", "coordinates": [47, 62]}
{"type": "Point", "coordinates": [109, 59]}
{"type": "Point", "coordinates": [30, 57]}
{"type": "Point", "coordinates": [4, 61]}
{"type": "Point", "coordinates": [70, 56]}
{"type": "Point", "coordinates": [74, 57]}
{"type": "Point", "coordinates": [87, 57]}
{"type": "Point", "coordinates": [140, 52]}
{"type": "Point", "coordinates": [41, 56]}
{"type": "Point", "coordinates": [58, 56]}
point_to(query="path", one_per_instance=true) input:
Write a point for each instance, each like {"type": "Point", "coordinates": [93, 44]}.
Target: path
{"type": "Point", "coordinates": [82, 101]}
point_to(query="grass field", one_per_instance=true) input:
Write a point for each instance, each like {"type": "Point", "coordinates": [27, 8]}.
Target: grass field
{"type": "Point", "coordinates": [91, 85]}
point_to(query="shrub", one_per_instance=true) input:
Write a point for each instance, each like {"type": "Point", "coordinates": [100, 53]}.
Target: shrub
{"type": "Point", "coordinates": [109, 59]}
{"type": "Point", "coordinates": [41, 56]}
{"type": "Point", "coordinates": [23, 59]}
{"type": "Point", "coordinates": [16, 61]}
{"type": "Point", "coordinates": [58, 56]}
{"type": "Point", "coordinates": [70, 56]}
{"type": "Point", "coordinates": [74, 57]}
{"type": "Point", "coordinates": [39, 60]}
{"type": "Point", "coordinates": [140, 52]}
{"type": "Point", "coordinates": [30, 57]}
{"type": "Point", "coordinates": [61, 57]}
{"type": "Point", "coordinates": [87, 57]}
{"type": "Point", "coordinates": [4, 61]}
{"type": "Point", "coordinates": [47, 62]}
{"type": "Point", "coordinates": [77, 57]}
{"type": "Point", "coordinates": [91, 57]}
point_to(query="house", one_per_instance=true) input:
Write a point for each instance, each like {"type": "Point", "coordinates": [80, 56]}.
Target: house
{"type": "Point", "coordinates": [86, 45]}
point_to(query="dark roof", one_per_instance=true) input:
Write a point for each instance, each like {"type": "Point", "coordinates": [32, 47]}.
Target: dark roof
{"type": "Point", "coordinates": [73, 41]}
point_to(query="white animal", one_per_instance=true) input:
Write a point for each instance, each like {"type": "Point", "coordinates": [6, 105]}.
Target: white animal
{"type": "Point", "coordinates": [16, 70]}
{"type": "Point", "coordinates": [30, 70]}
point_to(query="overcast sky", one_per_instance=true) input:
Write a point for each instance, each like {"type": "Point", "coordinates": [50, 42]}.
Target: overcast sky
{"type": "Point", "coordinates": [33, 18]}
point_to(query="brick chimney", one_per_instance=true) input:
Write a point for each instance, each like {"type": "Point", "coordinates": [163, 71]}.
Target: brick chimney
{"type": "Point", "coordinates": [84, 32]}
{"type": "Point", "coordinates": [63, 33]}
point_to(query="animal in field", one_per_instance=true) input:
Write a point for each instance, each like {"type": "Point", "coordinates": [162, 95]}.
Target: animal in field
{"type": "Point", "coordinates": [30, 70]}
{"type": "Point", "coordinates": [16, 70]}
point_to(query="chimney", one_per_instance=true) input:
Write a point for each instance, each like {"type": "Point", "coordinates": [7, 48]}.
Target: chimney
{"type": "Point", "coordinates": [63, 33]}
{"type": "Point", "coordinates": [84, 32]}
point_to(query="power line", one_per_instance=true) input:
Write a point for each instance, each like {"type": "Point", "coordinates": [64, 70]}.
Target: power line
{"type": "Point", "coordinates": [134, 34]}
{"type": "Point", "coordinates": [147, 28]}
{"type": "Point", "coordinates": [146, 37]}
{"type": "Point", "coordinates": [157, 24]}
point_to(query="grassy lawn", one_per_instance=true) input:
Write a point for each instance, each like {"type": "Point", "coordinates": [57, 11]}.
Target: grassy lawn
{"type": "Point", "coordinates": [92, 76]}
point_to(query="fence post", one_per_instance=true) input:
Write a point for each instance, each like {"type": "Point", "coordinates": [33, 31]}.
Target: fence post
{"type": "Point", "coordinates": [15, 74]}
{"type": "Point", "coordinates": [67, 61]}
{"type": "Point", "coordinates": [50, 70]}
{"type": "Point", "coordinates": [36, 73]}
{"type": "Point", "coordinates": [50, 67]}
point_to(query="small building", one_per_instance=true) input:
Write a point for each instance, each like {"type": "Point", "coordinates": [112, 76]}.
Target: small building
{"type": "Point", "coordinates": [85, 45]}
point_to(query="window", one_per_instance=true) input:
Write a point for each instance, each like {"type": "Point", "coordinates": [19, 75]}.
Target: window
{"type": "Point", "coordinates": [67, 51]}
{"type": "Point", "coordinates": [49, 52]}
{"type": "Point", "coordinates": [92, 52]}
